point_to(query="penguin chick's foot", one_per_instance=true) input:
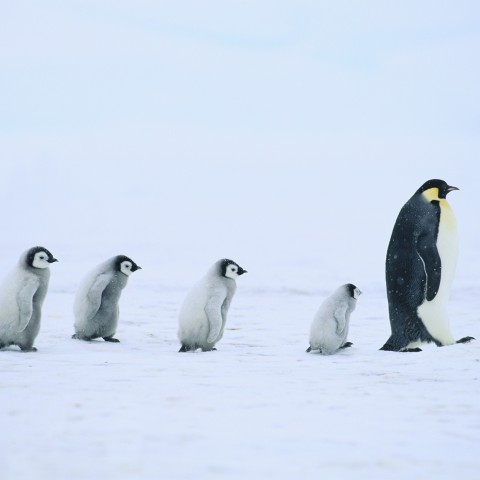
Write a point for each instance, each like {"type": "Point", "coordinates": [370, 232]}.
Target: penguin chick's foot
{"type": "Point", "coordinates": [465, 339]}
{"type": "Point", "coordinates": [213, 349]}
{"type": "Point", "coordinates": [409, 350]}
{"type": "Point", "coordinates": [346, 345]}
{"type": "Point", "coordinates": [28, 349]}
{"type": "Point", "coordinates": [111, 339]}
{"type": "Point", "coordinates": [76, 337]}
{"type": "Point", "coordinates": [309, 349]}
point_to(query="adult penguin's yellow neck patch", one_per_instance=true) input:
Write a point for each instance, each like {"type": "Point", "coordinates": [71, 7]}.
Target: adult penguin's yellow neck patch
{"type": "Point", "coordinates": [431, 194]}
{"type": "Point", "coordinates": [448, 218]}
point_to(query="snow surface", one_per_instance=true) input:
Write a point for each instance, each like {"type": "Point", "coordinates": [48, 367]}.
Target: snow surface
{"type": "Point", "coordinates": [258, 407]}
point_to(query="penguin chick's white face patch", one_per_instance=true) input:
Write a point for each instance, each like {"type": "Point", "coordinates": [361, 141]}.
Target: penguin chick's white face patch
{"type": "Point", "coordinates": [126, 267]}
{"type": "Point", "coordinates": [232, 271]}
{"type": "Point", "coordinates": [40, 260]}
{"type": "Point", "coordinates": [356, 293]}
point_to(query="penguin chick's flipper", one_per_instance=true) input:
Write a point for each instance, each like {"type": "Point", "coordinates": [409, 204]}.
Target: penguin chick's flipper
{"type": "Point", "coordinates": [309, 349]}
{"type": "Point", "coordinates": [213, 309]}
{"type": "Point", "coordinates": [24, 302]}
{"type": "Point", "coordinates": [111, 339]}
{"type": "Point", "coordinates": [465, 339]}
{"type": "Point", "coordinates": [346, 345]}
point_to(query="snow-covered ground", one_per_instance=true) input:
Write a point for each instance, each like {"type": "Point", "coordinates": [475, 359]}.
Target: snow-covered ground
{"type": "Point", "coordinates": [258, 407]}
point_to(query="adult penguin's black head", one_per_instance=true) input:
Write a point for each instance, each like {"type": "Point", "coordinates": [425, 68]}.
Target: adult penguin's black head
{"type": "Point", "coordinates": [436, 188]}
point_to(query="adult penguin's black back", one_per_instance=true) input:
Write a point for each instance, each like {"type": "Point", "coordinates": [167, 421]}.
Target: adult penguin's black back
{"type": "Point", "coordinates": [420, 266]}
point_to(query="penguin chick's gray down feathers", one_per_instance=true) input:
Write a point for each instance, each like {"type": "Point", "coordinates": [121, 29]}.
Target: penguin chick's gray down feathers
{"type": "Point", "coordinates": [204, 311]}
{"type": "Point", "coordinates": [21, 299]}
{"type": "Point", "coordinates": [96, 302]}
{"type": "Point", "coordinates": [329, 329]}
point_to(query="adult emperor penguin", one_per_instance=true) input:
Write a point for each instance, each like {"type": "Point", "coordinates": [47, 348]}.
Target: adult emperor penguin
{"type": "Point", "coordinates": [21, 299]}
{"type": "Point", "coordinates": [96, 302]}
{"type": "Point", "coordinates": [420, 266]}
{"type": "Point", "coordinates": [329, 329]}
{"type": "Point", "coordinates": [204, 311]}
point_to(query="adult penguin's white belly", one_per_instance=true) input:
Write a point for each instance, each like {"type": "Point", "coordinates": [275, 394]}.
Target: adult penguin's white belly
{"type": "Point", "coordinates": [434, 313]}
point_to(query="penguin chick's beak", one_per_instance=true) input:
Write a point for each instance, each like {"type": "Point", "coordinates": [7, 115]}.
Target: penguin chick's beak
{"type": "Point", "coordinates": [136, 267]}
{"type": "Point", "coordinates": [52, 260]}
{"type": "Point", "coordinates": [451, 189]}
{"type": "Point", "coordinates": [241, 271]}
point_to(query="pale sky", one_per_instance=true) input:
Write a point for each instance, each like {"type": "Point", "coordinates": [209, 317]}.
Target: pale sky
{"type": "Point", "coordinates": [245, 126]}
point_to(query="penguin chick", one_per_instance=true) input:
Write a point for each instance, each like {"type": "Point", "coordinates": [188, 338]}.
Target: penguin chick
{"type": "Point", "coordinates": [419, 270]}
{"type": "Point", "coordinates": [204, 311]}
{"type": "Point", "coordinates": [96, 302]}
{"type": "Point", "coordinates": [21, 299]}
{"type": "Point", "coordinates": [329, 329]}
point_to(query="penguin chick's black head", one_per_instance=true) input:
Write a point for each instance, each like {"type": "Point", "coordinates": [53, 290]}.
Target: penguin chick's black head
{"type": "Point", "coordinates": [352, 290]}
{"type": "Point", "coordinates": [443, 187]}
{"type": "Point", "coordinates": [236, 268]}
{"type": "Point", "coordinates": [34, 250]}
{"type": "Point", "coordinates": [119, 259]}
